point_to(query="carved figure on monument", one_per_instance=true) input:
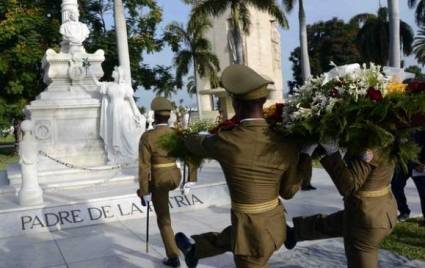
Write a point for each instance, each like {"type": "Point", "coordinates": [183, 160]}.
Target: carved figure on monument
{"type": "Point", "coordinates": [121, 123]}
{"type": "Point", "coordinates": [76, 69]}
{"type": "Point", "coordinates": [275, 39]}
{"type": "Point", "coordinates": [73, 32]}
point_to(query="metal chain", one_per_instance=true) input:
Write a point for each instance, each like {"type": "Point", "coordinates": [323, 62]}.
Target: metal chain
{"type": "Point", "coordinates": [69, 165]}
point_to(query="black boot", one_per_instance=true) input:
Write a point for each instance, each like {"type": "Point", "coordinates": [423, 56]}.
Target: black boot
{"type": "Point", "coordinates": [173, 262]}
{"type": "Point", "coordinates": [187, 248]}
{"type": "Point", "coordinates": [291, 240]}
{"type": "Point", "coordinates": [308, 187]}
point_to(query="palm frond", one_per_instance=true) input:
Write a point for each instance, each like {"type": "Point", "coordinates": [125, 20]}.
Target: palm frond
{"type": "Point", "coordinates": [420, 13]}
{"type": "Point", "coordinates": [419, 46]}
{"type": "Point", "coordinates": [182, 62]}
{"type": "Point", "coordinates": [207, 8]}
{"type": "Point", "coordinates": [406, 36]}
{"type": "Point", "coordinates": [289, 4]}
{"type": "Point", "coordinates": [244, 18]}
{"type": "Point", "coordinates": [270, 7]}
{"type": "Point", "coordinates": [411, 3]}
{"type": "Point", "coordinates": [191, 86]}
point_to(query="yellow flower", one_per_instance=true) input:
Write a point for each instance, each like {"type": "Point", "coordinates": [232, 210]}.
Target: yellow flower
{"type": "Point", "coordinates": [396, 87]}
{"type": "Point", "coordinates": [269, 111]}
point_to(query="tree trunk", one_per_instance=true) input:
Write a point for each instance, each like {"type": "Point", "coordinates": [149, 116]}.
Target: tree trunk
{"type": "Point", "coordinates": [305, 60]}
{"type": "Point", "coordinates": [122, 42]}
{"type": "Point", "coordinates": [198, 95]}
{"type": "Point", "coordinates": [394, 22]}
{"type": "Point", "coordinates": [237, 37]}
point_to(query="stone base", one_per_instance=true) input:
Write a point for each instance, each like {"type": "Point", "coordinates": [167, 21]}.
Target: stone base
{"type": "Point", "coordinates": [55, 178]}
{"type": "Point", "coordinates": [69, 213]}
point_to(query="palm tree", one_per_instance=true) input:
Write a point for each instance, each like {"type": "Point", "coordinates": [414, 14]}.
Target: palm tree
{"type": "Point", "coordinates": [165, 85]}
{"type": "Point", "coordinates": [239, 17]}
{"type": "Point", "coordinates": [420, 11]}
{"type": "Point", "coordinates": [305, 60]}
{"type": "Point", "coordinates": [374, 37]}
{"type": "Point", "coordinates": [419, 45]}
{"type": "Point", "coordinates": [394, 21]}
{"type": "Point", "coordinates": [193, 50]}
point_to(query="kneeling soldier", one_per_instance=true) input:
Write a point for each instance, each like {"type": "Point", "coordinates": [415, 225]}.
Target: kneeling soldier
{"type": "Point", "coordinates": [159, 174]}
{"type": "Point", "coordinates": [258, 166]}
{"type": "Point", "coordinates": [370, 211]}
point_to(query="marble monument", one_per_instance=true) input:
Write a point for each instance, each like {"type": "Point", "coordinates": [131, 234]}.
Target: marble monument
{"type": "Point", "coordinates": [77, 122]}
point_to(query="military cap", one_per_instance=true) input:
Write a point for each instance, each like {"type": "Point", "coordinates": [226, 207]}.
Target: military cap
{"type": "Point", "coordinates": [244, 83]}
{"type": "Point", "coordinates": [161, 105]}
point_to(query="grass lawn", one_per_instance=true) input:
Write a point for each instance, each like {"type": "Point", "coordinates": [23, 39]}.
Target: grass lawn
{"type": "Point", "coordinates": [7, 156]}
{"type": "Point", "coordinates": [407, 239]}
{"type": "Point", "coordinates": [10, 139]}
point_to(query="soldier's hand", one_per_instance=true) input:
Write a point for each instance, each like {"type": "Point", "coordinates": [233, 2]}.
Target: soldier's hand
{"type": "Point", "coordinates": [146, 199]}
{"type": "Point", "coordinates": [309, 149]}
{"type": "Point", "coordinates": [187, 187]}
{"type": "Point", "coordinates": [330, 147]}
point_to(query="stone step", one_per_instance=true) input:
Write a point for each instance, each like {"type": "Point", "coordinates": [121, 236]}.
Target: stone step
{"type": "Point", "coordinates": [66, 209]}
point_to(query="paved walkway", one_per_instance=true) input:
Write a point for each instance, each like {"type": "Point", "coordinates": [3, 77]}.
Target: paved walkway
{"type": "Point", "coordinates": [122, 243]}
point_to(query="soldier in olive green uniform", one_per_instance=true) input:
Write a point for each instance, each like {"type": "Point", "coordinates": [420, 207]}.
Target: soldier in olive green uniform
{"type": "Point", "coordinates": [258, 167]}
{"type": "Point", "coordinates": [158, 174]}
{"type": "Point", "coordinates": [370, 211]}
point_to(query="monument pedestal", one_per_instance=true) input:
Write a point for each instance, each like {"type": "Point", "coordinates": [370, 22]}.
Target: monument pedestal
{"type": "Point", "coordinates": [66, 123]}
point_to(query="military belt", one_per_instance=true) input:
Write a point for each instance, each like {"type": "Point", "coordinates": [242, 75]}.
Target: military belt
{"type": "Point", "coordinates": [255, 208]}
{"type": "Point", "coordinates": [166, 165]}
{"type": "Point", "coordinates": [377, 193]}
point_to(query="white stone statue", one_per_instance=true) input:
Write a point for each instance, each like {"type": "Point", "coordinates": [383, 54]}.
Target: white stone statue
{"type": "Point", "coordinates": [173, 119]}
{"type": "Point", "coordinates": [151, 119]}
{"type": "Point", "coordinates": [30, 193]}
{"type": "Point", "coordinates": [73, 32]}
{"type": "Point", "coordinates": [121, 123]}
{"type": "Point", "coordinates": [186, 118]}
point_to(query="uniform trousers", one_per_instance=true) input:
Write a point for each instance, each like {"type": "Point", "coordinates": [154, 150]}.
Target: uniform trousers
{"type": "Point", "coordinates": [361, 244]}
{"type": "Point", "coordinates": [213, 243]}
{"type": "Point", "coordinates": [399, 183]}
{"type": "Point", "coordinates": [160, 202]}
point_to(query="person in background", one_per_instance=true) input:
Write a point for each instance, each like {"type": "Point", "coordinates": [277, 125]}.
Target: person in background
{"type": "Point", "coordinates": [416, 170]}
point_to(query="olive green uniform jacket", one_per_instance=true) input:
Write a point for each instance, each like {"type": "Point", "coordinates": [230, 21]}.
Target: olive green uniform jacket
{"type": "Point", "coordinates": [159, 181]}
{"type": "Point", "coordinates": [259, 167]}
{"type": "Point", "coordinates": [365, 220]}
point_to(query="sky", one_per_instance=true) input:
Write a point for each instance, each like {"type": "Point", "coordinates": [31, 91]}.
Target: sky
{"type": "Point", "coordinates": [176, 10]}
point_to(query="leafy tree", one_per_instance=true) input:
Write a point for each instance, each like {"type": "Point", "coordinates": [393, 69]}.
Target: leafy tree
{"type": "Point", "coordinates": [22, 46]}
{"type": "Point", "coordinates": [414, 69]}
{"type": "Point", "coordinates": [28, 28]}
{"type": "Point", "coordinates": [239, 16]}
{"type": "Point", "coordinates": [419, 12]}
{"type": "Point", "coordinates": [332, 40]}
{"type": "Point", "coordinates": [373, 38]}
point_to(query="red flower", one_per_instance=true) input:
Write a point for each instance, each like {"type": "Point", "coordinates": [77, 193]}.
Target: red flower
{"type": "Point", "coordinates": [334, 93]}
{"type": "Point", "coordinates": [374, 94]}
{"type": "Point", "coordinates": [277, 115]}
{"type": "Point", "coordinates": [227, 124]}
{"type": "Point", "coordinates": [415, 87]}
